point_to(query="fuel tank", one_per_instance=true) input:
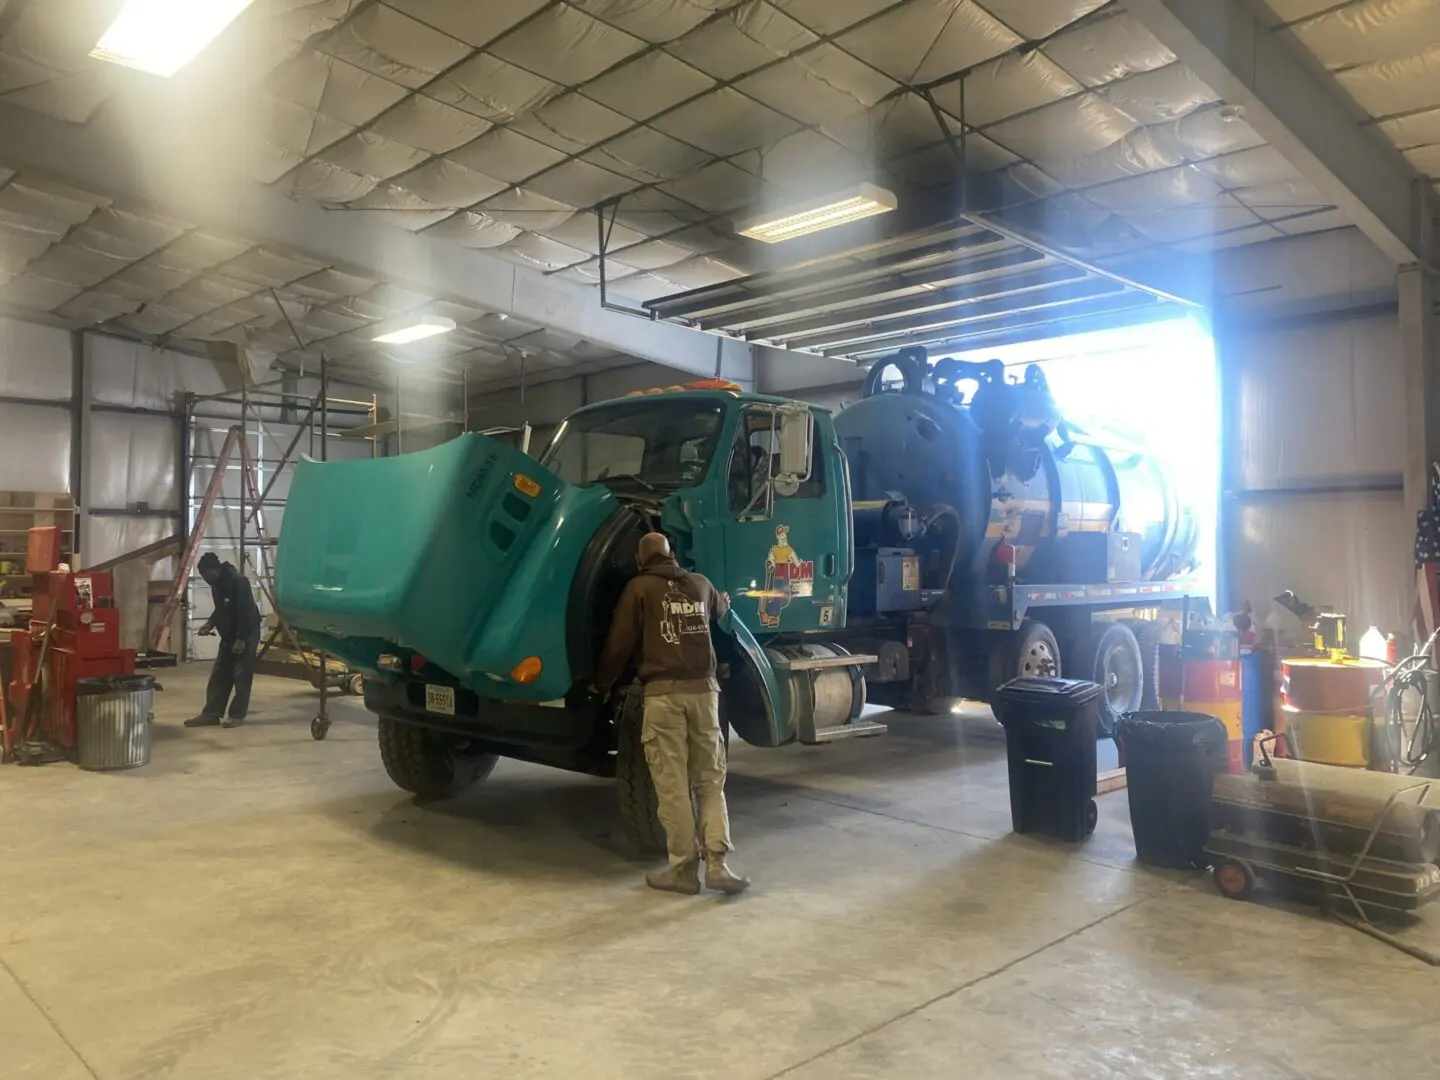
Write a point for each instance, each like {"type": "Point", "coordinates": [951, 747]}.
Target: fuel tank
{"type": "Point", "coordinates": [996, 474]}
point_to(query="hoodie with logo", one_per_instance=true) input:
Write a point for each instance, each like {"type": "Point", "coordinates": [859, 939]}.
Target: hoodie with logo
{"type": "Point", "coordinates": [665, 614]}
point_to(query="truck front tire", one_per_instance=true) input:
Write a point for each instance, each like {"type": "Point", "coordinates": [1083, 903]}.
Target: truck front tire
{"type": "Point", "coordinates": [429, 764]}
{"type": "Point", "coordinates": [639, 806]}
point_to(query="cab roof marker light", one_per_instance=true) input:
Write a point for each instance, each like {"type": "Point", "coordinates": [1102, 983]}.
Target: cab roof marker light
{"type": "Point", "coordinates": [162, 36]}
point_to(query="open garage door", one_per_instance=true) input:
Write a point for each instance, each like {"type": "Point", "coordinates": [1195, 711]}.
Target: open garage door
{"type": "Point", "coordinates": [969, 285]}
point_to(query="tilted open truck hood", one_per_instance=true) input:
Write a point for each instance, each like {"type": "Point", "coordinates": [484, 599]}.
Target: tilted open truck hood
{"type": "Point", "coordinates": [464, 553]}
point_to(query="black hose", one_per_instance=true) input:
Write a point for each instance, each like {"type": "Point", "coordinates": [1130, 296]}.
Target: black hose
{"type": "Point", "coordinates": [1423, 745]}
{"type": "Point", "coordinates": [1414, 673]}
{"type": "Point", "coordinates": [911, 362]}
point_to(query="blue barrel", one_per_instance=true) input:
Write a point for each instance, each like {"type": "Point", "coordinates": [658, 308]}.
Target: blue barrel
{"type": "Point", "coordinates": [1257, 698]}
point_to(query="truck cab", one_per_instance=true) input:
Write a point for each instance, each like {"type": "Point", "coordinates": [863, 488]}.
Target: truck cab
{"type": "Point", "coordinates": [751, 491]}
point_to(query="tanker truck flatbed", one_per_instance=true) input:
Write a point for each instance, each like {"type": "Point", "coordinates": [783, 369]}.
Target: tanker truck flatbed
{"type": "Point", "coordinates": [1006, 607]}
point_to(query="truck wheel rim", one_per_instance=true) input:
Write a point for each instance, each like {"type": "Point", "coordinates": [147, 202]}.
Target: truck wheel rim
{"type": "Point", "coordinates": [1121, 680]}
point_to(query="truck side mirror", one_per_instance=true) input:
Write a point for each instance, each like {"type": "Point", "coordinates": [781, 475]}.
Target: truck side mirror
{"type": "Point", "coordinates": [797, 443]}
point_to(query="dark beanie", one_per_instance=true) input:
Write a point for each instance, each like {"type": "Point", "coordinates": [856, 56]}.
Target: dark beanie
{"type": "Point", "coordinates": [209, 561]}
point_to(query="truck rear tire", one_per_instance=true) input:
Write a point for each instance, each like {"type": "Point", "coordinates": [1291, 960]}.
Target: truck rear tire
{"type": "Point", "coordinates": [428, 764]}
{"type": "Point", "coordinates": [639, 806]}
{"type": "Point", "coordinates": [1110, 656]}
{"type": "Point", "coordinates": [1147, 636]}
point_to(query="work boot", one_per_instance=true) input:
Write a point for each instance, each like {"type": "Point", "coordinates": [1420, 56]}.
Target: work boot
{"type": "Point", "coordinates": [203, 720]}
{"type": "Point", "coordinates": [232, 721]}
{"type": "Point", "coordinates": [720, 878]}
{"type": "Point", "coordinates": [684, 878]}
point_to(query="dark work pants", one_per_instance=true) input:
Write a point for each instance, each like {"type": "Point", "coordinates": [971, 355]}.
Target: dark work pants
{"type": "Point", "coordinates": [232, 671]}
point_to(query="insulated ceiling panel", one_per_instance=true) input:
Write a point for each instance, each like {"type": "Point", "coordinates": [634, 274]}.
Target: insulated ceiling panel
{"type": "Point", "coordinates": [1386, 55]}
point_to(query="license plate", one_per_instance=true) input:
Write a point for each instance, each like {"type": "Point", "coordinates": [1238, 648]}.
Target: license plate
{"type": "Point", "coordinates": [440, 699]}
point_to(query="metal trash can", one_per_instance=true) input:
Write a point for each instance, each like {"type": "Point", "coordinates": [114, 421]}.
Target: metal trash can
{"type": "Point", "coordinates": [113, 718]}
{"type": "Point", "coordinates": [1050, 731]}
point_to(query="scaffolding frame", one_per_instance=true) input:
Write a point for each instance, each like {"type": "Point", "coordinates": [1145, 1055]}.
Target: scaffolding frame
{"type": "Point", "coordinates": [309, 415]}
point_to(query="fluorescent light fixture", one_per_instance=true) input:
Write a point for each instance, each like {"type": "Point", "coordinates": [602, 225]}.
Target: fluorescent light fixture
{"type": "Point", "coordinates": [427, 326]}
{"type": "Point", "coordinates": [162, 36]}
{"type": "Point", "coordinates": [841, 208]}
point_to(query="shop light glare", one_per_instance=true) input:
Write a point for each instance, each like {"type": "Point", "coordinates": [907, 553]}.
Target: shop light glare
{"type": "Point", "coordinates": [162, 36]}
{"type": "Point", "coordinates": [428, 327]}
{"type": "Point", "coordinates": [841, 208]}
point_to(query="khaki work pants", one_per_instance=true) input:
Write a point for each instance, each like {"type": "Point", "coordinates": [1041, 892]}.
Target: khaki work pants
{"type": "Point", "coordinates": [686, 755]}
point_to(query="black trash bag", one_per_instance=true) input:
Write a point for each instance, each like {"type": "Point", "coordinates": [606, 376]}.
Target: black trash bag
{"type": "Point", "coordinates": [1171, 761]}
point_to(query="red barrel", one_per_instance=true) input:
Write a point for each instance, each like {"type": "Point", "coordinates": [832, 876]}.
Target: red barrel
{"type": "Point", "coordinates": [1210, 686]}
{"type": "Point", "coordinates": [1330, 686]}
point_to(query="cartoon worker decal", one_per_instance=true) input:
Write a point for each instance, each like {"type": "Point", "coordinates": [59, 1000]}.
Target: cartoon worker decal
{"type": "Point", "coordinates": [786, 575]}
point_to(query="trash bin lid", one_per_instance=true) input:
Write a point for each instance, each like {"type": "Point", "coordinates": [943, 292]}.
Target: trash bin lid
{"type": "Point", "coordinates": [114, 684]}
{"type": "Point", "coordinates": [1046, 691]}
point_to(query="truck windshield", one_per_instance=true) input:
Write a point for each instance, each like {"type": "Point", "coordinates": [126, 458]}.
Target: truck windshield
{"type": "Point", "coordinates": [648, 443]}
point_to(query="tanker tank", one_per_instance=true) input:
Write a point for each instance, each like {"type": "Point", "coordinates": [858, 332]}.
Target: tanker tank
{"type": "Point", "coordinates": [997, 475]}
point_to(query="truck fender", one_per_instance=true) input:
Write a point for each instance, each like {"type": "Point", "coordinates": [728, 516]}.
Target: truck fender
{"type": "Point", "coordinates": [778, 728]}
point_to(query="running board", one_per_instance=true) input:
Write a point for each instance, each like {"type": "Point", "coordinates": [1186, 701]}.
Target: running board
{"type": "Point", "coordinates": [823, 663]}
{"type": "Point", "coordinates": [859, 729]}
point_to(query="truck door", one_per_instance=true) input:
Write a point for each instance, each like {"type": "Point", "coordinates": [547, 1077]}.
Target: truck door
{"type": "Point", "coordinates": [786, 559]}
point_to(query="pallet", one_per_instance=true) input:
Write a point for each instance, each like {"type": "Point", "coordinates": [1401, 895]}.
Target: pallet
{"type": "Point", "coordinates": [1114, 780]}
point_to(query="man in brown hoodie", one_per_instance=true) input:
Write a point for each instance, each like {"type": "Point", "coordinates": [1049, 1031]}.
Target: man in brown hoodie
{"type": "Point", "coordinates": [665, 612]}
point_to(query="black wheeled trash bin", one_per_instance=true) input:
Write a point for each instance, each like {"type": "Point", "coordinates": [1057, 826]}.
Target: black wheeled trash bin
{"type": "Point", "coordinates": [1050, 731]}
{"type": "Point", "coordinates": [1171, 760]}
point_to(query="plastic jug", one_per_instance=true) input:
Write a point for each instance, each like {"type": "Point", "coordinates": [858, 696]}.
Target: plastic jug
{"type": "Point", "coordinates": [1373, 645]}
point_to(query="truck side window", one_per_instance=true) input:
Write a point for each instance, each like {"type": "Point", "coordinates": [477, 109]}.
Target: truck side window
{"type": "Point", "coordinates": [756, 452]}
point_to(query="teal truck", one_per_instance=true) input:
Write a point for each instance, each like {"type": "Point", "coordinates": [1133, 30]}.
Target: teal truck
{"type": "Point", "coordinates": [946, 532]}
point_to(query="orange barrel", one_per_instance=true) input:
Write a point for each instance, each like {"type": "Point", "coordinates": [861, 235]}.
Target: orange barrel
{"type": "Point", "coordinates": [1213, 687]}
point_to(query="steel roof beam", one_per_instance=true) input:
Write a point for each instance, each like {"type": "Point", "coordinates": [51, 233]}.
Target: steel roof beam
{"type": "Point", "coordinates": [185, 172]}
{"type": "Point", "coordinates": [1296, 106]}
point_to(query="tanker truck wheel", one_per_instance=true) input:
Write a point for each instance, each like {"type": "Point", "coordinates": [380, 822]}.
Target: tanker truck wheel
{"type": "Point", "coordinates": [1147, 636]}
{"type": "Point", "coordinates": [1109, 655]}
{"type": "Point", "coordinates": [427, 763]}
{"type": "Point", "coordinates": [639, 806]}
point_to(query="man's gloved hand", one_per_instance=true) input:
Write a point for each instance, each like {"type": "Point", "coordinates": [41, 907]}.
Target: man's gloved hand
{"type": "Point", "coordinates": [238, 648]}
{"type": "Point", "coordinates": [207, 631]}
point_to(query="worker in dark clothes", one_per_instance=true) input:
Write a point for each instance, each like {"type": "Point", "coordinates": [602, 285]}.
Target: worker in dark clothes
{"type": "Point", "coordinates": [237, 620]}
{"type": "Point", "coordinates": [664, 616]}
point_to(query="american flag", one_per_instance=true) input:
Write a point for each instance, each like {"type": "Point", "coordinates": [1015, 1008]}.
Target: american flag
{"type": "Point", "coordinates": [1427, 554]}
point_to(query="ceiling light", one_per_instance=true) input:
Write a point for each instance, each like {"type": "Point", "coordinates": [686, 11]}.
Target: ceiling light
{"type": "Point", "coordinates": [162, 36]}
{"type": "Point", "coordinates": [426, 327]}
{"type": "Point", "coordinates": [841, 208]}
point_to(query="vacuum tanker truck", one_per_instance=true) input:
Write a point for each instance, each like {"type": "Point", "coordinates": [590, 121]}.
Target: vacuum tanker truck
{"type": "Point", "coordinates": [943, 534]}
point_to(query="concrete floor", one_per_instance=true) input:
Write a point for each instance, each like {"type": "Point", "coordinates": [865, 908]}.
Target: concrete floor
{"type": "Point", "coordinates": [257, 905]}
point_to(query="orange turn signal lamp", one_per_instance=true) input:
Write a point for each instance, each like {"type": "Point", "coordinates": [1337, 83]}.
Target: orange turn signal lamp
{"type": "Point", "coordinates": [526, 486]}
{"type": "Point", "coordinates": [527, 670]}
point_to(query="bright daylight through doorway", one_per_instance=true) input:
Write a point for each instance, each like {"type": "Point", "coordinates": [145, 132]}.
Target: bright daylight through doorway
{"type": "Point", "coordinates": [1153, 384]}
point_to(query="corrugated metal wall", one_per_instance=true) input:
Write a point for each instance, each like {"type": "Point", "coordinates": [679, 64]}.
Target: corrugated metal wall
{"type": "Point", "coordinates": [1313, 390]}
{"type": "Point", "coordinates": [132, 493]}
